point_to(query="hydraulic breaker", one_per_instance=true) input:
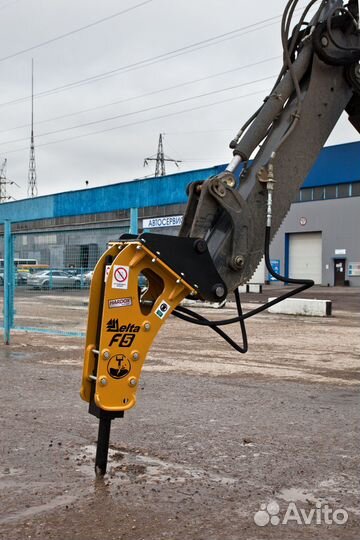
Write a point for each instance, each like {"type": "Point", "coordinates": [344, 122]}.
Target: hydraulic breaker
{"type": "Point", "coordinates": [123, 321]}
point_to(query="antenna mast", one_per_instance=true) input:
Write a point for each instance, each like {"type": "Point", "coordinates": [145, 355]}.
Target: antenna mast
{"type": "Point", "coordinates": [160, 159]}
{"type": "Point", "coordinates": [32, 186]}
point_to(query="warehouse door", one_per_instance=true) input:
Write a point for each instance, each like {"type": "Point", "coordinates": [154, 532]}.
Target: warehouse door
{"type": "Point", "coordinates": [305, 256]}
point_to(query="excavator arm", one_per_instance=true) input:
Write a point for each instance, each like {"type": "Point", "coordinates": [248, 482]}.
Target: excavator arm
{"type": "Point", "coordinates": [230, 219]}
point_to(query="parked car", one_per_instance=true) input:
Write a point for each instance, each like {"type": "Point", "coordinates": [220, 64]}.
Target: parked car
{"type": "Point", "coordinates": [24, 270]}
{"type": "Point", "coordinates": [53, 279]}
{"type": "Point", "coordinates": [88, 277]}
{"type": "Point", "coordinates": [19, 278]}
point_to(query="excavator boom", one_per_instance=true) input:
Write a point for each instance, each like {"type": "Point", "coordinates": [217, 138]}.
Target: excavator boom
{"type": "Point", "coordinates": [230, 219]}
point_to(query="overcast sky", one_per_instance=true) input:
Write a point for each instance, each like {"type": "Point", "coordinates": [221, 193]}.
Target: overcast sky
{"type": "Point", "coordinates": [155, 68]}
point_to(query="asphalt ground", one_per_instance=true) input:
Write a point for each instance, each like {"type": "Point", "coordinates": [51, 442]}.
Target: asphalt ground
{"type": "Point", "coordinates": [214, 436]}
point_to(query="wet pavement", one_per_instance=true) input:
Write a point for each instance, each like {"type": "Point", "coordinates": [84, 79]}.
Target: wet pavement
{"type": "Point", "coordinates": [214, 436]}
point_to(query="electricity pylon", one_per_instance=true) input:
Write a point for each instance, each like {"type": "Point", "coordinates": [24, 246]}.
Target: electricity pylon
{"type": "Point", "coordinates": [160, 159]}
{"type": "Point", "coordinates": [4, 182]}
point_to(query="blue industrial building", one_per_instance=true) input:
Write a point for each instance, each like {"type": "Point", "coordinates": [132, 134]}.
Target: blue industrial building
{"type": "Point", "coordinates": [318, 238]}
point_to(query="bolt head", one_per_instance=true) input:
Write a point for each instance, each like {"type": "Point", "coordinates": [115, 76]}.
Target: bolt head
{"type": "Point", "coordinates": [238, 261]}
{"type": "Point", "coordinates": [103, 381]}
{"type": "Point", "coordinates": [106, 355]}
{"type": "Point", "coordinates": [324, 41]}
{"type": "Point", "coordinates": [135, 355]}
{"type": "Point", "coordinates": [147, 326]}
{"type": "Point", "coordinates": [132, 382]}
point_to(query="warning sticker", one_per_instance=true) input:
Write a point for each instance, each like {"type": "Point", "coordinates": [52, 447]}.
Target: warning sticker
{"type": "Point", "coordinates": [120, 277]}
{"type": "Point", "coordinates": [162, 309]}
{"type": "Point", "coordinates": [120, 302]}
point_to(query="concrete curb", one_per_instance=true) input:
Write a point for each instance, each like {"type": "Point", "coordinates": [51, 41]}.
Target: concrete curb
{"type": "Point", "coordinates": [302, 306]}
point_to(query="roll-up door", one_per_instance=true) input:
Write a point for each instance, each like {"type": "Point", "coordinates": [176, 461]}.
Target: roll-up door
{"type": "Point", "coordinates": [305, 256]}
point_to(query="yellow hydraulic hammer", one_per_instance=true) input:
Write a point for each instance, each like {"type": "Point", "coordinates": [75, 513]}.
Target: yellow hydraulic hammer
{"type": "Point", "coordinates": [123, 321]}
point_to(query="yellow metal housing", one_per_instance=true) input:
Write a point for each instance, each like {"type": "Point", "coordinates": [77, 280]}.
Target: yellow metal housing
{"type": "Point", "coordinates": [123, 321]}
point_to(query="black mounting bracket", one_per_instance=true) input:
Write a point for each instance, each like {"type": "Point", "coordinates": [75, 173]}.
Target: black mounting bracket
{"type": "Point", "coordinates": [190, 259]}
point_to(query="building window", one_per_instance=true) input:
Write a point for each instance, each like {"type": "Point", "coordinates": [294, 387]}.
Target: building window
{"type": "Point", "coordinates": [306, 194]}
{"type": "Point", "coordinates": [330, 192]}
{"type": "Point", "coordinates": [45, 239]}
{"type": "Point", "coordinates": [356, 189]}
{"type": "Point", "coordinates": [318, 194]}
{"type": "Point", "coordinates": [343, 190]}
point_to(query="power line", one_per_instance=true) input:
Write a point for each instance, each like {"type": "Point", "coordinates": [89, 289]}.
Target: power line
{"type": "Point", "coordinates": [197, 131]}
{"type": "Point", "coordinates": [147, 94]}
{"type": "Point", "coordinates": [152, 60]}
{"type": "Point", "coordinates": [72, 32]}
{"type": "Point", "coordinates": [146, 109]}
{"type": "Point", "coordinates": [199, 107]}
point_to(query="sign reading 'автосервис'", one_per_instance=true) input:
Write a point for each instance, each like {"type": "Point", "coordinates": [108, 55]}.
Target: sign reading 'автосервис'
{"type": "Point", "coordinates": [164, 221]}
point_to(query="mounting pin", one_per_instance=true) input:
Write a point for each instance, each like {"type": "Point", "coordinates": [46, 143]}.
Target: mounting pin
{"type": "Point", "coordinates": [200, 245]}
{"type": "Point", "coordinates": [219, 290]}
{"type": "Point", "coordinates": [324, 41]}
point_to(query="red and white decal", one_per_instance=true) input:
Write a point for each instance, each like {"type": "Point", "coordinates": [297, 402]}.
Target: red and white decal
{"type": "Point", "coordinates": [120, 278]}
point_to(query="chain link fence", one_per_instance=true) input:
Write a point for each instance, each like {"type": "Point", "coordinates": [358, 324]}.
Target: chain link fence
{"type": "Point", "coordinates": [52, 274]}
{"type": "Point", "coordinates": [2, 281]}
